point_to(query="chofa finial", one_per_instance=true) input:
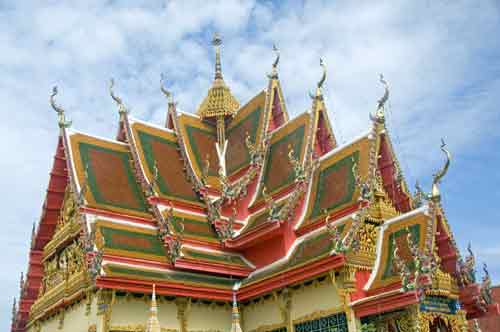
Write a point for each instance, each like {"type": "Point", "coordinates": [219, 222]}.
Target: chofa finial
{"type": "Point", "coordinates": [435, 194]}
{"type": "Point", "coordinates": [121, 107]}
{"type": "Point", "coordinates": [61, 120]}
{"type": "Point", "coordinates": [320, 82]}
{"type": "Point", "coordinates": [167, 93]}
{"type": "Point", "coordinates": [380, 113]}
{"type": "Point", "coordinates": [323, 77]}
{"type": "Point", "coordinates": [274, 73]}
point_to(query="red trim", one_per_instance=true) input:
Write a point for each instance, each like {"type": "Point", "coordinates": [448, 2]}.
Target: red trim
{"type": "Point", "coordinates": [387, 167]}
{"type": "Point", "coordinates": [321, 222]}
{"type": "Point", "coordinates": [261, 233]}
{"type": "Point", "coordinates": [103, 213]}
{"type": "Point", "coordinates": [386, 303]}
{"type": "Point", "coordinates": [50, 214]}
{"type": "Point", "coordinates": [276, 196]}
{"type": "Point", "coordinates": [292, 276]}
{"type": "Point", "coordinates": [171, 202]}
{"type": "Point", "coordinates": [164, 288]}
{"type": "Point", "coordinates": [198, 265]}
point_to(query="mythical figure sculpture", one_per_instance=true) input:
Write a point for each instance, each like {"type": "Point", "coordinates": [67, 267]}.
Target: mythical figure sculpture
{"type": "Point", "coordinates": [486, 286]}
{"type": "Point", "coordinates": [467, 268]}
{"type": "Point", "coordinates": [173, 242]}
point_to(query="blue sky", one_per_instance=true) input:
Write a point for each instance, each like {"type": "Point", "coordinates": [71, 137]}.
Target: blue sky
{"type": "Point", "coordinates": [442, 61]}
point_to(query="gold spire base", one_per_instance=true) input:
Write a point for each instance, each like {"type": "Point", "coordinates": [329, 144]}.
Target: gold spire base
{"type": "Point", "coordinates": [218, 102]}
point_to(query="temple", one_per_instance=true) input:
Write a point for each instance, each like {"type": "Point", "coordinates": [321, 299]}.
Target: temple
{"type": "Point", "coordinates": [236, 217]}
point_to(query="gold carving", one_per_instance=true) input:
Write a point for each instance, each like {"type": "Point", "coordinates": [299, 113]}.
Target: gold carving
{"type": "Point", "coordinates": [318, 314]}
{"type": "Point", "coordinates": [135, 328]}
{"type": "Point", "coordinates": [67, 226]}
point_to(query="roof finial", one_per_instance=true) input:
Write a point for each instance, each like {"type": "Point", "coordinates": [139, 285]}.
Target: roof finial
{"type": "Point", "coordinates": [435, 194]}
{"type": "Point", "coordinates": [14, 310]}
{"type": "Point", "coordinates": [274, 73]}
{"type": "Point", "coordinates": [121, 107]}
{"type": "Point", "coordinates": [235, 326]}
{"type": "Point", "coordinates": [320, 82]}
{"type": "Point", "coordinates": [380, 114]}
{"type": "Point", "coordinates": [33, 234]}
{"type": "Point", "coordinates": [61, 120]}
{"type": "Point", "coordinates": [216, 42]}
{"type": "Point", "coordinates": [153, 324]}
{"type": "Point", "coordinates": [167, 93]}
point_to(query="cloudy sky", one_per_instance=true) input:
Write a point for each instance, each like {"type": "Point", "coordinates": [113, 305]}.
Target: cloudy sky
{"type": "Point", "coordinates": [442, 62]}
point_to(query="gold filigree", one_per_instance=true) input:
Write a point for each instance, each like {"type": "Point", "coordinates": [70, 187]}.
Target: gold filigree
{"type": "Point", "coordinates": [318, 314]}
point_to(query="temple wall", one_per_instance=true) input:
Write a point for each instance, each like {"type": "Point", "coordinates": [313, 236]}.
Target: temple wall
{"type": "Point", "coordinates": [307, 302]}
{"type": "Point", "coordinates": [316, 300]}
{"type": "Point", "coordinates": [264, 313]}
{"type": "Point", "coordinates": [75, 320]}
{"type": "Point", "coordinates": [213, 317]}
{"type": "Point", "coordinates": [134, 312]}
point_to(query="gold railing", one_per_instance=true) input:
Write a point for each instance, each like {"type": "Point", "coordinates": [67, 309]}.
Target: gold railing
{"type": "Point", "coordinates": [68, 289]}
{"type": "Point", "coordinates": [69, 230]}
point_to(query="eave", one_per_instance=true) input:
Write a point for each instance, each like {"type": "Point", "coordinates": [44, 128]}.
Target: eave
{"type": "Point", "coordinates": [223, 269]}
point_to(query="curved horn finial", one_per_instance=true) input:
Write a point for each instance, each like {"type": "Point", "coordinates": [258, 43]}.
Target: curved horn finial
{"type": "Point", "coordinates": [276, 61]}
{"type": "Point", "coordinates": [380, 114]}
{"type": "Point", "coordinates": [323, 77]}
{"type": "Point", "coordinates": [121, 107]}
{"type": "Point", "coordinates": [167, 93]}
{"type": "Point", "coordinates": [59, 110]}
{"type": "Point", "coordinates": [442, 172]}
{"type": "Point", "coordinates": [56, 107]}
{"type": "Point", "coordinates": [381, 102]}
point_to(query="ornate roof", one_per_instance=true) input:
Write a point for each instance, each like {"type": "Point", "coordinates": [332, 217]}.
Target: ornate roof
{"type": "Point", "coordinates": [283, 203]}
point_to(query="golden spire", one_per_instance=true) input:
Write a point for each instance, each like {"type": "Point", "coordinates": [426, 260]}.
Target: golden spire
{"type": "Point", "coordinates": [219, 101]}
{"type": "Point", "coordinates": [153, 324]}
{"type": "Point", "coordinates": [217, 42]}
{"type": "Point", "coordinates": [435, 194]}
{"type": "Point", "coordinates": [235, 326]}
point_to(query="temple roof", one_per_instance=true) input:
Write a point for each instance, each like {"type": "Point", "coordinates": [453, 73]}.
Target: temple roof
{"type": "Point", "coordinates": [284, 202]}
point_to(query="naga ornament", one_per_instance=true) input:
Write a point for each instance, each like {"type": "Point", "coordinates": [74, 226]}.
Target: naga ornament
{"type": "Point", "coordinates": [121, 107]}
{"type": "Point", "coordinates": [173, 242]}
{"type": "Point", "coordinates": [274, 73]}
{"type": "Point", "coordinates": [467, 268]}
{"type": "Point", "coordinates": [435, 194]}
{"type": "Point", "coordinates": [61, 119]}
{"type": "Point", "coordinates": [380, 112]}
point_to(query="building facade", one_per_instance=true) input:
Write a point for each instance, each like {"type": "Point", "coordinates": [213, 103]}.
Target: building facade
{"type": "Point", "coordinates": [238, 218]}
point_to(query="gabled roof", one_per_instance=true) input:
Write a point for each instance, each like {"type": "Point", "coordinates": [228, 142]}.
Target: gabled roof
{"type": "Point", "coordinates": [396, 230]}
{"type": "Point", "coordinates": [199, 143]}
{"type": "Point", "coordinates": [309, 248]}
{"type": "Point", "coordinates": [158, 150]}
{"type": "Point", "coordinates": [248, 121]}
{"type": "Point", "coordinates": [105, 169]}
{"type": "Point", "coordinates": [277, 172]}
{"type": "Point", "coordinates": [333, 188]}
